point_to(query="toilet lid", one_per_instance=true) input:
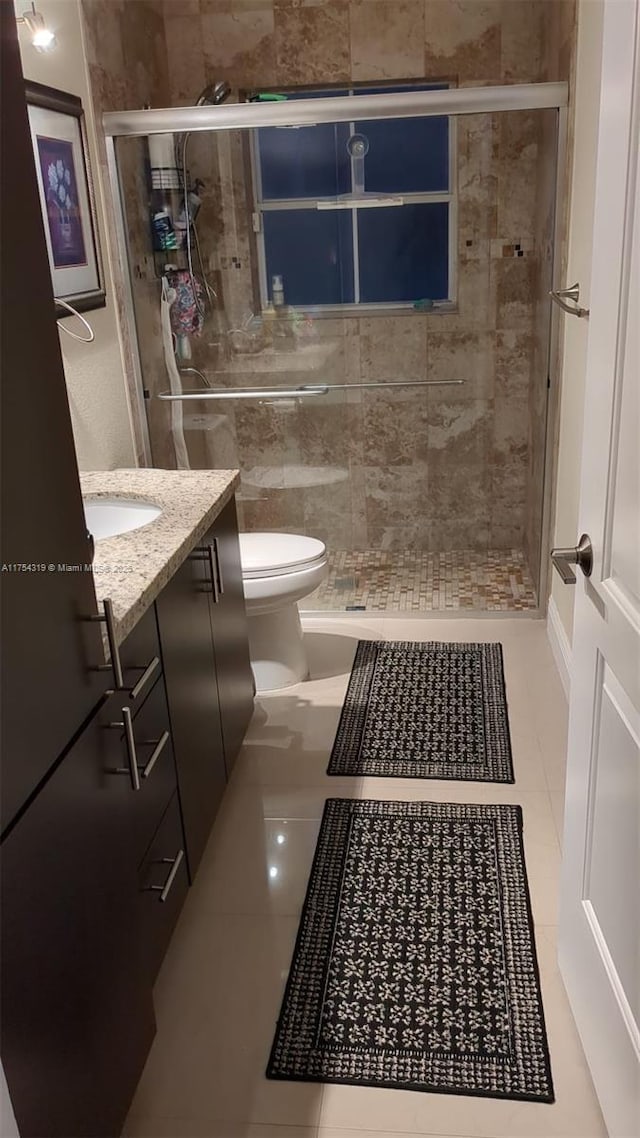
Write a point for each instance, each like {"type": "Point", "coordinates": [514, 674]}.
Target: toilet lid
{"type": "Point", "coordinates": [266, 554]}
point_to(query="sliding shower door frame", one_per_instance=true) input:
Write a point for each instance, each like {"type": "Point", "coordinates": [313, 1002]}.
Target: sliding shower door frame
{"type": "Point", "coordinates": [453, 101]}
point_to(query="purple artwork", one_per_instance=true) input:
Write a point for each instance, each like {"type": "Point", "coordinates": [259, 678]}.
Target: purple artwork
{"type": "Point", "coordinates": [57, 169]}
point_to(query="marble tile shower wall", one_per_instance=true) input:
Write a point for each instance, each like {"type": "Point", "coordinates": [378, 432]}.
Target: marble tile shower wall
{"type": "Point", "coordinates": [125, 45]}
{"type": "Point", "coordinates": [436, 468]}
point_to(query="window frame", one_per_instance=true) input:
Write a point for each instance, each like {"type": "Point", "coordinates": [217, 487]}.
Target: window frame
{"type": "Point", "coordinates": [358, 308]}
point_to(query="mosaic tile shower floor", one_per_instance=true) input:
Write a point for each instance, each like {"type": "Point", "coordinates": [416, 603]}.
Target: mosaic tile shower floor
{"type": "Point", "coordinates": [413, 581]}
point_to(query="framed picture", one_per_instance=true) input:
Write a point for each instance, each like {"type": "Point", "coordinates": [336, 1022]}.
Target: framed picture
{"type": "Point", "coordinates": [61, 156]}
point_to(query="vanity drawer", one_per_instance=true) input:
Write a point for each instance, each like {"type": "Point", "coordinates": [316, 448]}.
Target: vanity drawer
{"type": "Point", "coordinates": [145, 746]}
{"type": "Point", "coordinates": [140, 658]}
{"type": "Point", "coordinates": [163, 885]}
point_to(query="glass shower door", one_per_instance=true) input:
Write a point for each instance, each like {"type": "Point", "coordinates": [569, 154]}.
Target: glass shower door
{"type": "Point", "coordinates": [233, 383]}
{"type": "Point", "coordinates": [370, 340]}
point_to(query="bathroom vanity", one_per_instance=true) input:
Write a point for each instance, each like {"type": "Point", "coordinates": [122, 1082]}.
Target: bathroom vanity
{"type": "Point", "coordinates": [186, 564]}
{"type": "Point", "coordinates": [178, 582]}
{"type": "Point", "coordinates": [97, 866]}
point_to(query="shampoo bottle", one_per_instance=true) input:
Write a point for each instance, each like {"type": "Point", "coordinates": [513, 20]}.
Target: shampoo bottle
{"type": "Point", "coordinates": [277, 291]}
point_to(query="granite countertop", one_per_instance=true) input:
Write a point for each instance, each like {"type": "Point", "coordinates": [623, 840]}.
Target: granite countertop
{"type": "Point", "coordinates": [132, 569]}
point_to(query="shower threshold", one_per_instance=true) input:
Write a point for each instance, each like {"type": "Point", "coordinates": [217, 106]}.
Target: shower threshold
{"type": "Point", "coordinates": [493, 580]}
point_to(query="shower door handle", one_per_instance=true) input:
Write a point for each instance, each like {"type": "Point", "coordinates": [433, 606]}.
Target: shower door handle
{"type": "Point", "coordinates": [580, 555]}
{"type": "Point", "coordinates": [560, 296]}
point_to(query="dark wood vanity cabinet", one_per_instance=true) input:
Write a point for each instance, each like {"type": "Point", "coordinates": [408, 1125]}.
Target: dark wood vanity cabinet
{"type": "Point", "coordinates": [192, 690]}
{"type": "Point", "coordinates": [155, 821]}
{"type": "Point", "coordinates": [236, 686]}
{"type": "Point", "coordinates": [162, 884]}
{"type": "Point", "coordinates": [77, 1014]}
{"type": "Point", "coordinates": [90, 897]}
{"type": "Point", "coordinates": [94, 852]}
{"type": "Point", "coordinates": [203, 635]}
{"type": "Point", "coordinates": [76, 1006]}
{"type": "Point", "coordinates": [49, 651]}
{"type": "Point", "coordinates": [94, 873]}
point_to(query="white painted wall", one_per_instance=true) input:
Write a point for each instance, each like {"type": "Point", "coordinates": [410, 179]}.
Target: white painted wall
{"type": "Point", "coordinates": [94, 372]}
{"type": "Point", "coordinates": [587, 100]}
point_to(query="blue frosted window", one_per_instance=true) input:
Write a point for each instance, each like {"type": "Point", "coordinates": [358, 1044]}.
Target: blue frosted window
{"type": "Point", "coordinates": [304, 162]}
{"type": "Point", "coordinates": [332, 256]}
{"type": "Point", "coordinates": [404, 253]}
{"type": "Point", "coordinates": [406, 155]}
{"type": "Point", "coordinates": [313, 252]}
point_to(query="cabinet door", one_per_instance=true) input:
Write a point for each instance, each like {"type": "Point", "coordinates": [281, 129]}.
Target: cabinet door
{"type": "Point", "coordinates": [230, 636]}
{"type": "Point", "coordinates": [47, 649]}
{"type": "Point", "coordinates": [163, 886]}
{"type": "Point", "coordinates": [76, 1007]}
{"type": "Point", "coordinates": [151, 739]}
{"type": "Point", "coordinates": [186, 643]}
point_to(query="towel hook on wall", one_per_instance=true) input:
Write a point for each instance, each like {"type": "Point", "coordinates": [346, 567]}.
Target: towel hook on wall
{"type": "Point", "coordinates": [83, 339]}
{"type": "Point", "coordinates": [561, 295]}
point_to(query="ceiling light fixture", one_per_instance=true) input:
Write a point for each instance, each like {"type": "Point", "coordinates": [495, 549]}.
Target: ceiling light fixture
{"type": "Point", "coordinates": [42, 38]}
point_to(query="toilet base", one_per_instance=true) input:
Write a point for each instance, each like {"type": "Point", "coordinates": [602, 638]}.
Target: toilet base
{"type": "Point", "coordinates": [276, 648]}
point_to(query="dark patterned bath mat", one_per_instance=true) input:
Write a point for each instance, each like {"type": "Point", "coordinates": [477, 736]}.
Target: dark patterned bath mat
{"type": "Point", "coordinates": [425, 711]}
{"type": "Point", "coordinates": [415, 964]}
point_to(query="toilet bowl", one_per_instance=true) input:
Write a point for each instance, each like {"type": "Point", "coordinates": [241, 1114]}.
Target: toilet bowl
{"type": "Point", "coordinates": [278, 570]}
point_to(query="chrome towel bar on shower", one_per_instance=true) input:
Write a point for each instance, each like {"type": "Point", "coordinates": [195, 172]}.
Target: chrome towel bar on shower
{"type": "Point", "coordinates": [240, 393]}
{"type": "Point", "coordinates": [560, 296]}
{"type": "Point", "coordinates": [310, 391]}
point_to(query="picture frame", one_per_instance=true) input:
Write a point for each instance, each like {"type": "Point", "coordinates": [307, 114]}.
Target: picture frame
{"type": "Point", "coordinates": [65, 187]}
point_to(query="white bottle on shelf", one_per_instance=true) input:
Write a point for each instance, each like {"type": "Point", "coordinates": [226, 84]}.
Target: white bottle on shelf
{"type": "Point", "coordinates": [277, 291]}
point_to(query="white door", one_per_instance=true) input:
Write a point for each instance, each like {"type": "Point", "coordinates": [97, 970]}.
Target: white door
{"type": "Point", "coordinates": [600, 900]}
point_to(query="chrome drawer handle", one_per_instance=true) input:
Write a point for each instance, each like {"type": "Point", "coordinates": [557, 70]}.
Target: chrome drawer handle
{"type": "Point", "coordinates": [149, 670]}
{"type": "Point", "coordinates": [116, 664]}
{"type": "Point", "coordinates": [213, 571]}
{"type": "Point", "coordinates": [209, 552]}
{"type": "Point", "coordinates": [216, 546]}
{"type": "Point", "coordinates": [132, 769]}
{"type": "Point", "coordinates": [155, 755]}
{"type": "Point", "coordinates": [107, 618]}
{"type": "Point", "coordinates": [165, 889]}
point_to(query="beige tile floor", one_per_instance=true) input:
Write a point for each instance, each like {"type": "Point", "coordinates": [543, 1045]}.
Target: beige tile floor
{"type": "Point", "coordinates": [219, 992]}
{"type": "Point", "coordinates": [386, 581]}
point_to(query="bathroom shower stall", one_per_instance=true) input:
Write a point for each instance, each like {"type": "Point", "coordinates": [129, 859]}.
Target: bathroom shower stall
{"type": "Point", "coordinates": [345, 294]}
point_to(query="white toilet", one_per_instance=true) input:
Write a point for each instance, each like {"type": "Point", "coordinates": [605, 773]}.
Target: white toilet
{"type": "Point", "coordinates": [278, 570]}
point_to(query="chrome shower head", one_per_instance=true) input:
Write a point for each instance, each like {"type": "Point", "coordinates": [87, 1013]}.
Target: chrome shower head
{"type": "Point", "coordinates": [210, 96]}
{"type": "Point", "coordinates": [214, 94]}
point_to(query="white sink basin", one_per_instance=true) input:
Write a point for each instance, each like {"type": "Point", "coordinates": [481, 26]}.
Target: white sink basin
{"type": "Point", "coordinates": [109, 517]}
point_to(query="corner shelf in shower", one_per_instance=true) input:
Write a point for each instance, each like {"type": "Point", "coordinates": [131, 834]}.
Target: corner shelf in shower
{"type": "Point", "coordinates": [289, 477]}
